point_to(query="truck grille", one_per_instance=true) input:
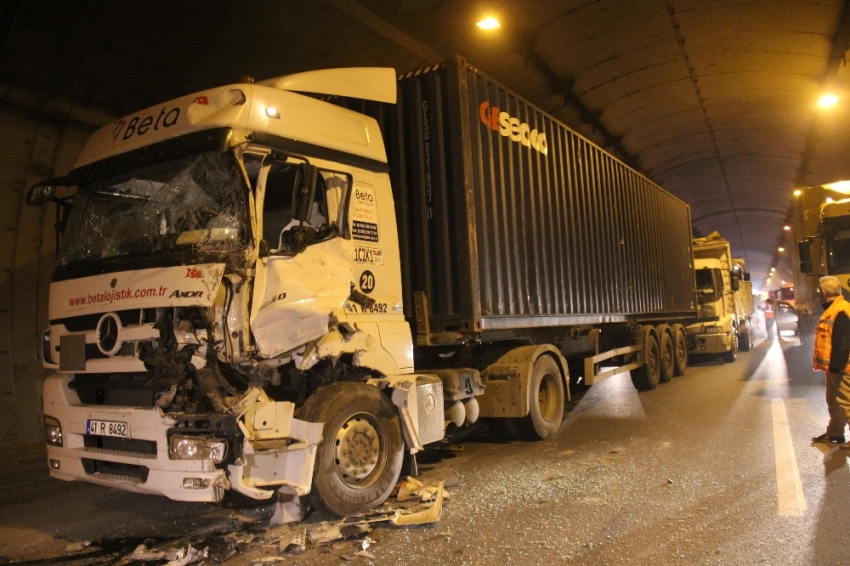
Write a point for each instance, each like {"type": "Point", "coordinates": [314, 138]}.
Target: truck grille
{"type": "Point", "coordinates": [429, 399]}
{"type": "Point", "coordinates": [115, 471]}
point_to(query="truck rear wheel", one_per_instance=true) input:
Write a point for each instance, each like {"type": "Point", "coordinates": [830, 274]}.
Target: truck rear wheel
{"type": "Point", "coordinates": [648, 375]}
{"type": "Point", "coordinates": [680, 346]}
{"type": "Point", "coordinates": [744, 342]}
{"type": "Point", "coordinates": [546, 402]}
{"type": "Point", "coordinates": [359, 460]}
{"type": "Point", "coordinates": [667, 351]}
{"type": "Point", "coordinates": [732, 354]}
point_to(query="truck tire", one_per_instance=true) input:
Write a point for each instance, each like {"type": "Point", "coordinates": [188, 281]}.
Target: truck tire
{"type": "Point", "coordinates": [546, 402]}
{"type": "Point", "coordinates": [648, 375]}
{"type": "Point", "coordinates": [359, 460]}
{"type": "Point", "coordinates": [744, 342]}
{"type": "Point", "coordinates": [667, 351]}
{"type": "Point", "coordinates": [732, 354]}
{"type": "Point", "coordinates": [680, 346]}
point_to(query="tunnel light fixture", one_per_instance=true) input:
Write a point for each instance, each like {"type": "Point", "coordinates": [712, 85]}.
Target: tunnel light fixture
{"type": "Point", "coordinates": [828, 100]}
{"type": "Point", "coordinates": [489, 23]}
{"type": "Point", "coordinates": [798, 192]}
{"type": "Point", "coordinates": [839, 187]}
{"type": "Point", "coordinates": [772, 269]}
{"type": "Point", "coordinates": [786, 228]}
{"type": "Point", "coordinates": [781, 249]}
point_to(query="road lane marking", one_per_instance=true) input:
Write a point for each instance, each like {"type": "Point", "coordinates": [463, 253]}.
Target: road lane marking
{"type": "Point", "coordinates": [789, 489]}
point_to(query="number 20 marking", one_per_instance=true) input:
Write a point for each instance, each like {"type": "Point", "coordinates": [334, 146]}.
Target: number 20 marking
{"type": "Point", "coordinates": [367, 282]}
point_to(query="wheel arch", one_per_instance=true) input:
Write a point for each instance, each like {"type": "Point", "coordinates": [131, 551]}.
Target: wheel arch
{"type": "Point", "coordinates": [507, 381]}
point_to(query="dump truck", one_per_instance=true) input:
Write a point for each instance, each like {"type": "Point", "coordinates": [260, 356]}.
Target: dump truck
{"type": "Point", "coordinates": [821, 228]}
{"type": "Point", "coordinates": [259, 289]}
{"type": "Point", "coordinates": [725, 309]}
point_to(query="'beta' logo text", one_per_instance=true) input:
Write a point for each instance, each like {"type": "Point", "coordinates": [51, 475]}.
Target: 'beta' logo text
{"type": "Point", "coordinates": [139, 126]}
{"type": "Point", "coordinates": [521, 132]}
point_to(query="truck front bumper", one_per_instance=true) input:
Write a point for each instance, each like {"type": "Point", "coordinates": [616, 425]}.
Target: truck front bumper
{"type": "Point", "coordinates": [711, 344]}
{"type": "Point", "coordinates": [141, 463]}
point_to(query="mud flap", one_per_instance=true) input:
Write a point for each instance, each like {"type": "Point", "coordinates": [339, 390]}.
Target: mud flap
{"type": "Point", "coordinates": [278, 449]}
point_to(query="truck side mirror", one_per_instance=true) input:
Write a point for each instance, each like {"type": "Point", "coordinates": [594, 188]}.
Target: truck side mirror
{"type": "Point", "coordinates": [305, 193]}
{"type": "Point", "coordinates": [44, 192]}
{"type": "Point", "coordinates": [804, 250]}
{"type": "Point", "coordinates": [735, 280]}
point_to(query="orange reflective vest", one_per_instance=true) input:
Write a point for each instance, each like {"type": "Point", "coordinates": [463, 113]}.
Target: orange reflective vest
{"type": "Point", "coordinates": [823, 334]}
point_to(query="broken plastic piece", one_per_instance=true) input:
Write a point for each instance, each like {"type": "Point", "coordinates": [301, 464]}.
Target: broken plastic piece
{"type": "Point", "coordinates": [294, 543]}
{"type": "Point", "coordinates": [409, 489]}
{"type": "Point", "coordinates": [143, 554]}
{"type": "Point", "coordinates": [188, 555]}
{"type": "Point", "coordinates": [430, 514]}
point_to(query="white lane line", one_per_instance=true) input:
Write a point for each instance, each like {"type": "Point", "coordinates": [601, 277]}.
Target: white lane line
{"type": "Point", "coordinates": [789, 489]}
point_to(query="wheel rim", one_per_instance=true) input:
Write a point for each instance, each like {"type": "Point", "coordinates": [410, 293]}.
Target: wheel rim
{"type": "Point", "coordinates": [547, 398]}
{"type": "Point", "coordinates": [652, 359]}
{"type": "Point", "coordinates": [359, 453]}
{"type": "Point", "coordinates": [668, 354]}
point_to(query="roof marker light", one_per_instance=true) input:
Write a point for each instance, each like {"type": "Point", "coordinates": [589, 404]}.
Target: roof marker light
{"type": "Point", "coordinates": [272, 112]}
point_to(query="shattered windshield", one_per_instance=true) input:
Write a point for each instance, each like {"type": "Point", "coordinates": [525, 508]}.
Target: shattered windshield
{"type": "Point", "coordinates": [195, 203]}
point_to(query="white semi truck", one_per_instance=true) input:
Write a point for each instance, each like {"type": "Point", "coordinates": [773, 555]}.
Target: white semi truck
{"type": "Point", "coordinates": [725, 307]}
{"type": "Point", "coordinates": [258, 288]}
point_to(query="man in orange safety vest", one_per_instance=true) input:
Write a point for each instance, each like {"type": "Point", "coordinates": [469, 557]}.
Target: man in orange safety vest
{"type": "Point", "coordinates": [832, 355]}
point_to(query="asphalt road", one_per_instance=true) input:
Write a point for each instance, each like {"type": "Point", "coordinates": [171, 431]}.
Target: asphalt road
{"type": "Point", "coordinates": [715, 467]}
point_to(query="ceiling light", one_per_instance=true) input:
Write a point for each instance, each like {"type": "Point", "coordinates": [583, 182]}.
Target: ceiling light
{"type": "Point", "coordinates": [781, 249]}
{"type": "Point", "coordinates": [828, 100]}
{"type": "Point", "coordinates": [842, 187]}
{"type": "Point", "coordinates": [786, 227]}
{"type": "Point", "coordinates": [798, 192]}
{"type": "Point", "coordinates": [488, 23]}
{"type": "Point", "coordinates": [772, 269]}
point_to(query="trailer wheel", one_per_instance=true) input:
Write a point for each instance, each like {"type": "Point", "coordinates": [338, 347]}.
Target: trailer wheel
{"type": "Point", "coordinates": [359, 460]}
{"type": "Point", "coordinates": [732, 354]}
{"type": "Point", "coordinates": [668, 353]}
{"type": "Point", "coordinates": [680, 342]}
{"type": "Point", "coordinates": [648, 375]}
{"type": "Point", "coordinates": [744, 342]}
{"type": "Point", "coordinates": [546, 402]}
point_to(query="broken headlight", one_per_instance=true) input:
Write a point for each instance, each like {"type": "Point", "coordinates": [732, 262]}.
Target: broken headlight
{"type": "Point", "coordinates": [197, 448]}
{"type": "Point", "coordinates": [52, 431]}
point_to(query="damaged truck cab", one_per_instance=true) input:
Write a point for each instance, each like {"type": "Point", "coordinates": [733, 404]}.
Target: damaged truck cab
{"type": "Point", "coordinates": [226, 282]}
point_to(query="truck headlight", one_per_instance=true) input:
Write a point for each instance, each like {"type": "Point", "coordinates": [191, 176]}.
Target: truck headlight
{"type": "Point", "coordinates": [46, 352]}
{"type": "Point", "coordinates": [52, 431]}
{"type": "Point", "coordinates": [712, 330]}
{"type": "Point", "coordinates": [197, 448]}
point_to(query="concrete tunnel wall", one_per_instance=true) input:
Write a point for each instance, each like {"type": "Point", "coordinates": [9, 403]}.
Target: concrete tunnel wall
{"type": "Point", "coordinates": [40, 137]}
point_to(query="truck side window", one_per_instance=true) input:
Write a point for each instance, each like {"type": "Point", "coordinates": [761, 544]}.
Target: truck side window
{"type": "Point", "coordinates": [277, 208]}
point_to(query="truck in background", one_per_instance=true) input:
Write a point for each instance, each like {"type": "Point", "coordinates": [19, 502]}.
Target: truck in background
{"type": "Point", "coordinates": [725, 309]}
{"type": "Point", "coordinates": [821, 228]}
{"type": "Point", "coordinates": [252, 293]}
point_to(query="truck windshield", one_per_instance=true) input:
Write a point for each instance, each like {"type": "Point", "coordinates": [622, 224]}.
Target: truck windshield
{"type": "Point", "coordinates": [707, 284]}
{"type": "Point", "coordinates": [195, 203]}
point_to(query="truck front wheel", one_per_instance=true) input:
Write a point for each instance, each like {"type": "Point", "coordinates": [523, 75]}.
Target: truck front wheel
{"type": "Point", "coordinates": [546, 402]}
{"type": "Point", "coordinates": [359, 460]}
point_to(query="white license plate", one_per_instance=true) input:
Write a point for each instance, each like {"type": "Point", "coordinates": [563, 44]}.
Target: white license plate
{"type": "Point", "coordinates": [107, 428]}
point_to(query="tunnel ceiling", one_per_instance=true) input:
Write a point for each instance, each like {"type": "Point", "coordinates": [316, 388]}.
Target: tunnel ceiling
{"type": "Point", "coordinates": [713, 99]}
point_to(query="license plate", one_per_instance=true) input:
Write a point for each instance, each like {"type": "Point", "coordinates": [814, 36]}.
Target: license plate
{"type": "Point", "coordinates": [107, 428]}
